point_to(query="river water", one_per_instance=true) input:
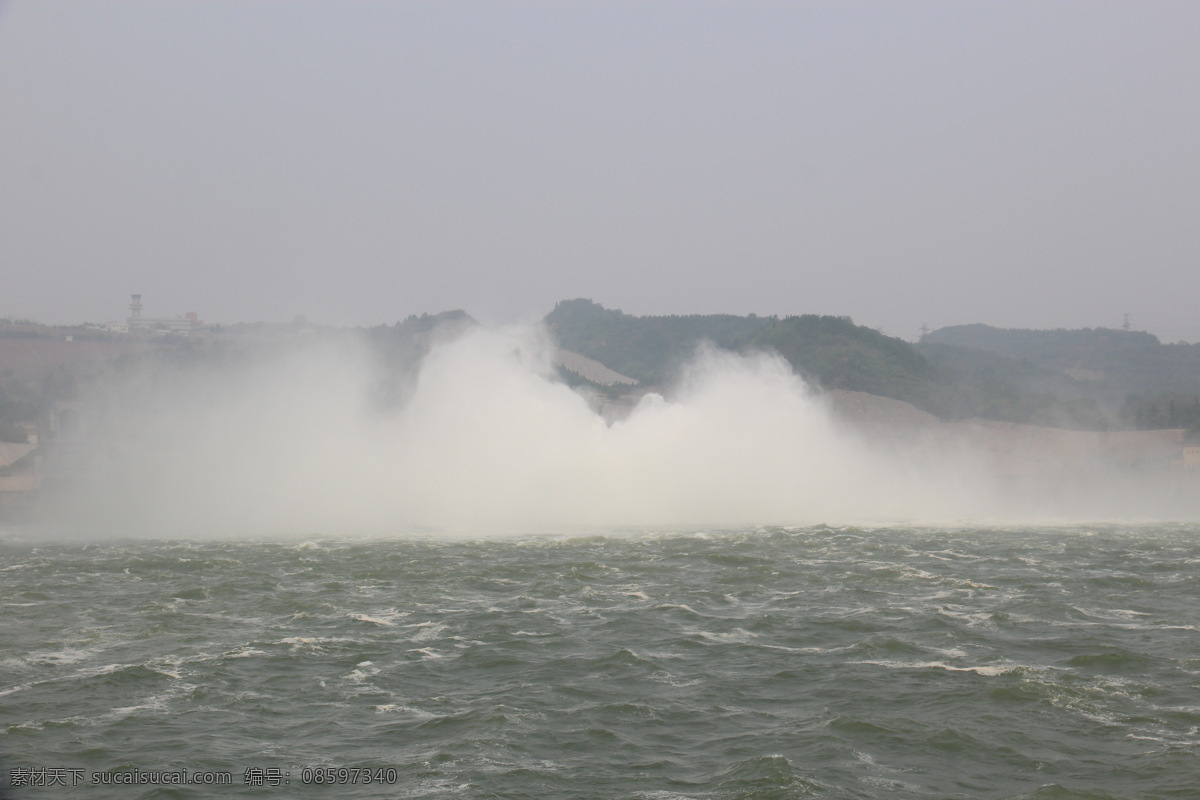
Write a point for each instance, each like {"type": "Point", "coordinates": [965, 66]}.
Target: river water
{"type": "Point", "coordinates": [891, 662]}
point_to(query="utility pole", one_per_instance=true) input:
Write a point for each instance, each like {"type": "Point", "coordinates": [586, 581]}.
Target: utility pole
{"type": "Point", "coordinates": [1125, 325]}
{"type": "Point", "coordinates": [924, 331]}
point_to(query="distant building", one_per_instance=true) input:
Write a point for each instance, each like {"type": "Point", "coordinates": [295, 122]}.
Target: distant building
{"type": "Point", "coordinates": [181, 326]}
{"type": "Point", "coordinates": [1191, 452]}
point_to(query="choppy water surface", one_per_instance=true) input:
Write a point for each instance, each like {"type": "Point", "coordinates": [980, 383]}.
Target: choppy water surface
{"type": "Point", "coordinates": [833, 663]}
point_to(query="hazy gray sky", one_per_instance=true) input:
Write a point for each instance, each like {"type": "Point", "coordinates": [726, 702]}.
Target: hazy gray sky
{"type": "Point", "coordinates": [1026, 163]}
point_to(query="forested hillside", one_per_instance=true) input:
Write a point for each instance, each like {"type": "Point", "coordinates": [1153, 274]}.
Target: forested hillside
{"type": "Point", "coordinates": [1093, 379]}
{"type": "Point", "coordinates": [649, 349]}
{"type": "Point", "coordinates": [1116, 361]}
{"type": "Point", "coordinates": [831, 352]}
{"type": "Point", "coordinates": [834, 353]}
{"type": "Point", "coordinates": [1131, 375]}
{"type": "Point", "coordinates": [1089, 379]}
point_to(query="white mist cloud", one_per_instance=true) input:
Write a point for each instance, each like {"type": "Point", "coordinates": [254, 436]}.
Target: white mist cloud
{"type": "Point", "coordinates": [487, 440]}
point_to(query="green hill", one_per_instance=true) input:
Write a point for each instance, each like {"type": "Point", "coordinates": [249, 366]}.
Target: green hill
{"type": "Point", "coordinates": [835, 353]}
{"type": "Point", "coordinates": [1094, 379]}
{"type": "Point", "coordinates": [977, 383]}
{"type": "Point", "coordinates": [649, 349]}
{"type": "Point", "coordinates": [830, 351]}
{"type": "Point", "coordinates": [1115, 362]}
{"type": "Point", "coordinates": [1128, 377]}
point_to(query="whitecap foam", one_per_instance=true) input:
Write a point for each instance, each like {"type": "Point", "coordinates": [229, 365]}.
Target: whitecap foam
{"type": "Point", "coordinates": [987, 670]}
{"type": "Point", "coordinates": [427, 653]}
{"type": "Point", "coordinates": [396, 708]}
